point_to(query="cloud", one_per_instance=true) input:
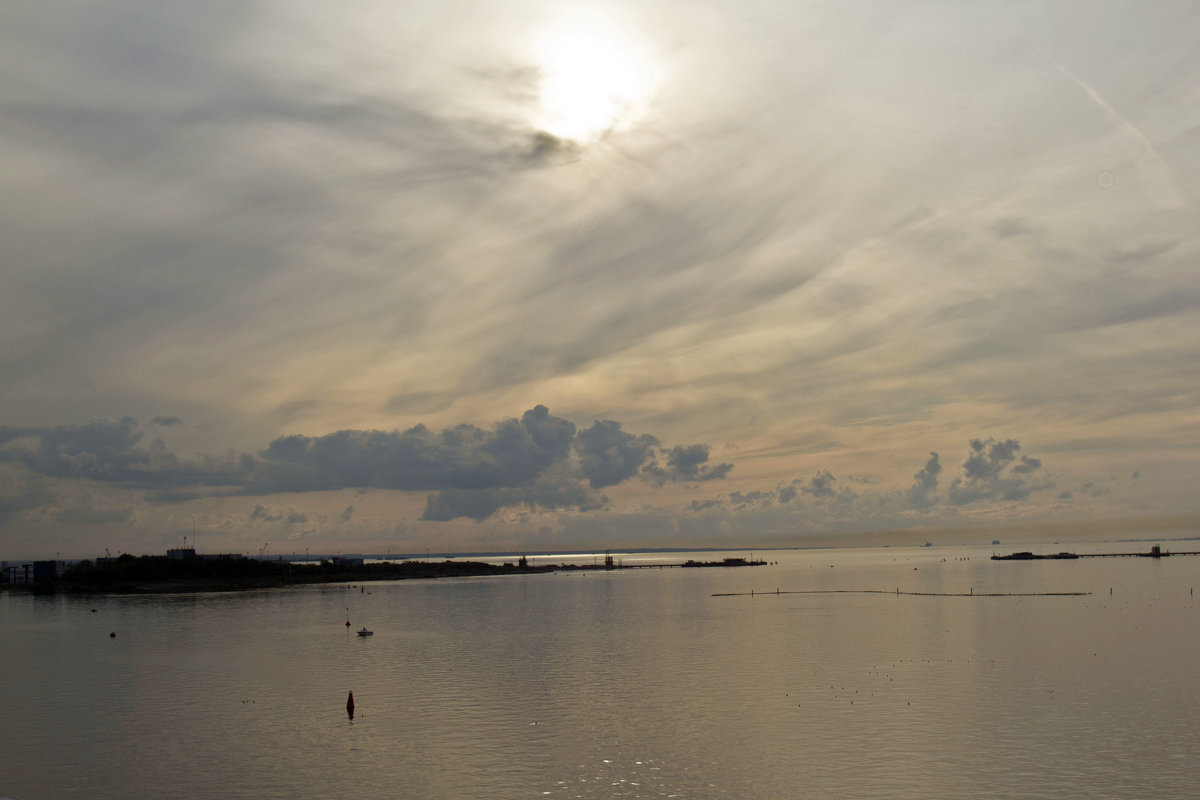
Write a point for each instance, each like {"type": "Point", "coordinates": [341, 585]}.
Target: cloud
{"type": "Point", "coordinates": [739, 500]}
{"type": "Point", "coordinates": [290, 517]}
{"type": "Point", "coordinates": [925, 483]}
{"type": "Point", "coordinates": [100, 450]}
{"type": "Point", "coordinates": [548, 148]}
{"type": "Point", "coordinates": [93, 516]}
{"type": "Point", "coordinates": [1027, 466]}
{"type": "Point", "coordinates": [686, 463]}
{"type": "Point", "coordinates": [992, 471]}
{"type": "Point", "coordinates": [820, 485]}
{"type": "Point", "coordinates": [167, 422]}
{"type": "Point", "coordinates": [18, 495]}
{"type": "Point", "coordinates": [450, 504]}
{"type": "Point", "coordinates": [170, 496]}
{"type": "Point", "coordinates": [532, 464]}
{"type": "Point", "coordinates": [261, 514]}
{"type": "Point", "coordinates": [1156, 174]}
{"type": "Point", "coordinates": [108, 451]}
{"type": "Point", "coordinates": [538, 461]}
{"type": "Point", "coordinates": [609, 455]}
{"type": "Point", "coordinates": [512, 454]}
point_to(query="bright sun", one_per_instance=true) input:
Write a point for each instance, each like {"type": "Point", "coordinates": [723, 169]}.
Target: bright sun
{"type": "Point", "coordinates": [594, 80]}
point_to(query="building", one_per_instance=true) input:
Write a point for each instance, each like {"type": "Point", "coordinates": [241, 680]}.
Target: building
{"type": "Point", "coordinates": [45, 571]}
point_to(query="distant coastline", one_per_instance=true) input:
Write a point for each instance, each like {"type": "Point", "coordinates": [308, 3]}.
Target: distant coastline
{"type": "Point", "coordinates": [129, 574]}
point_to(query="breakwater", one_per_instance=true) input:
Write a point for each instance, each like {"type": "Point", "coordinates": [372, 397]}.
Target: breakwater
{"type": "Point", "coordinates": [1155, 552]}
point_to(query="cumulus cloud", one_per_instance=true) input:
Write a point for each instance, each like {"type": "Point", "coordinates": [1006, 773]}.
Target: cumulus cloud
{"type": "Point", "coordinates": [686, 463]}
{"type": "Point", "coordinates": [290, 517]}
{"type": "Point", "coordinates": [261, 514]}
{"type": "Point", "coordinates": [740, 500]}
{"type": "Point", "coordinates": [820, 485]}
{"type": "Point", "coordinates": [108, 451]}
{"type": "Point", "coordinates": [100, 450]}
{"type": "Point", "coordinates": [925, 483]}
{"type": "Point", "coordinates": [1027, 466]}
{"type": "Point", "coordinates": [992, 471]}
{"type": "Point", "coordinates": [450, 504]}
{"type": "Point", "coordinates": [609, 455]}
{"type": "Point", "coordinates": [167, 422]}
{"type": "Point", "coordinates": [537, 461]}
{"type": "Point", "coordinates": [512, 454]}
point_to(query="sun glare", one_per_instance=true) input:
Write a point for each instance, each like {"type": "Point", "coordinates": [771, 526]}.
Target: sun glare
{"type": "Point", "coordinates": [594, 80]}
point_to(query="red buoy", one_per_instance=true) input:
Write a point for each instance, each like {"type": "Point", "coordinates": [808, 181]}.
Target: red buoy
{"type": "Point", "coordinates": [350, 705]}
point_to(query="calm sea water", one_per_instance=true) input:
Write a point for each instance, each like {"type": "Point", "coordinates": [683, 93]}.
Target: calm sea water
{"type": "Point", "coordinates": [636, 683]}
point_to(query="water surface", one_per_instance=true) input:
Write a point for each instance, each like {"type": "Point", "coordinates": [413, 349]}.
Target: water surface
{"type": "Point", "coordinates": [636, 683]}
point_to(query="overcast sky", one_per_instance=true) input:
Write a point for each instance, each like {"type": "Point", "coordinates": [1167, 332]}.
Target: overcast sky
{"type": "Point", "coordinates": [397, 276]}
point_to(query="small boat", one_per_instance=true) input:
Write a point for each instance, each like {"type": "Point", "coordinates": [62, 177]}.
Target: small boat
{"type": "Point", "coordinates": [365, 632]}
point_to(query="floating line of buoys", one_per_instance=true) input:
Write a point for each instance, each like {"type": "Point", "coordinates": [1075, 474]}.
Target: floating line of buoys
{"type": "Point", "coordinates": [972, 593]}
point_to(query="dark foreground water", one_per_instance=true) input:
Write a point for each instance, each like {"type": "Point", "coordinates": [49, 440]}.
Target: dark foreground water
{"type": "Point", "coordinates": [627, 684]}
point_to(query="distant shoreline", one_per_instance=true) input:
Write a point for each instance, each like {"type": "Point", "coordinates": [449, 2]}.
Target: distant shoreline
{"type": "Point", "coordinates": [160, 575]}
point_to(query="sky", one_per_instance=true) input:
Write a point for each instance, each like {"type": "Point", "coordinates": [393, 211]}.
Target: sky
{"type": "Point", "coordinates": [287, 275]}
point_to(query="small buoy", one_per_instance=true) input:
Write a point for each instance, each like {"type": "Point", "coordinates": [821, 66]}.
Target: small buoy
{"type": "Point", "coordinates": [347, 623]}
{"type": "Point", "coordinates": [93, 611]}
{"type": "Point", "coordinates": [112, 635]}
{"type": "Point", "coordinates": [350, 705]}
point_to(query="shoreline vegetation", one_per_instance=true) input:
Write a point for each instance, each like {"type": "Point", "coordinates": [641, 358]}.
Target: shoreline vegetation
{"type": "Point", "coordinates": [129, 574]}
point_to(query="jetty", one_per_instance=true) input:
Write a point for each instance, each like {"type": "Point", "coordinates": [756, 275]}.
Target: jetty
{"type": "Point", "coordinates": [725, 562]}
{"type": "Point", "coordinates": [1155, 552]}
